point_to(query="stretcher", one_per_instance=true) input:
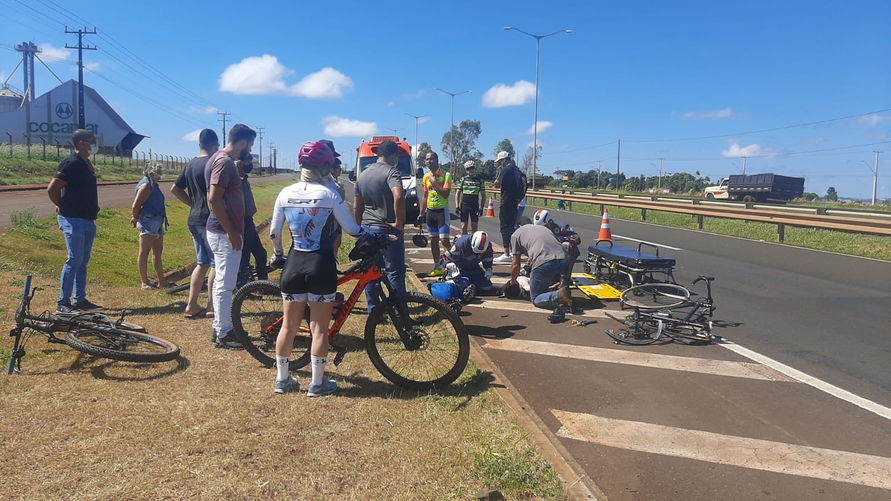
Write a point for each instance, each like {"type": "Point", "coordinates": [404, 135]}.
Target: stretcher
{"type": "Point", "coordinates": [615, 264]}
{"type": "Point", "coordinates": [593, 288]}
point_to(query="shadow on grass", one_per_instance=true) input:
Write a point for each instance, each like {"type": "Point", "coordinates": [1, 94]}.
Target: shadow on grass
{"type": "Point", "coordinates": [365, 387]}
{"type": "Point", "coordinates": [152, 371]}
{"type": "Point", "coordinates": [173, 308]}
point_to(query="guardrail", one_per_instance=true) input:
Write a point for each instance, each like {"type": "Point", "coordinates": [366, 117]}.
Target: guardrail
{"type": "Point", "coordinates": [781, 216]}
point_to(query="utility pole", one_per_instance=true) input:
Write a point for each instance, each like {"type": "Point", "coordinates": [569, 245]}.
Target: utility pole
{"type": "Point", "coordinates": [659, 183]}
{"type": "Point", "coordinates": [260, 153]}
{"type": "Point", "coordinates": [745, 161]}
{"type": "Point", "coordinates": [224, 115]}
{"type": "Point", "coordinates": [81, 119]}
{"type": "Point", "coordinates": [618, 162]}
{"type": "Point", "coordinates": [875, 177]}
{"type": "Point", "coordinates": [599, 167]}
{"type": "Point", "coordinates": [452, 130]}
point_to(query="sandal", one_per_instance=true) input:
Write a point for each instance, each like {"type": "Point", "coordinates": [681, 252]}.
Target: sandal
{"type": "Point", "coordinates": [195, 316]}
{"type": "Point", "coordinates": [149, 286]}
{"type": "Point", "coordinates": [208, 314]}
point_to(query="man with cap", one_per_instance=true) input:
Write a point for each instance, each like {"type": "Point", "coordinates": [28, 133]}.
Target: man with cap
{"type": "Point", "coordinates": [379, 202]}
{"type": "Point", "coordinates": [73, 191]}
{"type": "Point", "coordinates": [467, 197]}
{"type": "Point", "coordinates": [512, 183]}
{"type": "Point", "coordinates": [435, 209]}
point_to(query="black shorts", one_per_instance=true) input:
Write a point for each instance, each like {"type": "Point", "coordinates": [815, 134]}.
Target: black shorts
{"type": "Point", "coordinates": [438, 223]}
{"type": "Point", "coordinates": [309, 276]}
{"type": "Point", "coordinates": [470, 208]}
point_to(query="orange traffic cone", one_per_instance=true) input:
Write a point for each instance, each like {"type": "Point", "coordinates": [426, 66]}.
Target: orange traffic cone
{"type": "Point", "coordinates": [605, 234]}
{"type": "Point", "coordinates": [490, 209]}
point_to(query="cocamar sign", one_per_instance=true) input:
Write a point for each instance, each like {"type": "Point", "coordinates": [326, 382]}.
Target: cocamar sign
{"type": "Point", "coordinates": [63, 111]}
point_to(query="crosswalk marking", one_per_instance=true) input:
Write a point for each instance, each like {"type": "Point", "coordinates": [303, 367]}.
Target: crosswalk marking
{"type": "Point", "coordinates": [729, 368]}
{"type": "Point", "coordinates": [764, 455]}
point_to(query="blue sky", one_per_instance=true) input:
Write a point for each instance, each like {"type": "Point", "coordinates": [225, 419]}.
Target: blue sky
{"type": "Point", "coordinates": [635, 71]}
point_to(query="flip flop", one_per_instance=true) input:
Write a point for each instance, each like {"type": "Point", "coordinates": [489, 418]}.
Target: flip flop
{"type": "Point", "coordinates": [208, 314]}
{"type": "Point", "coordinates": [148, 287]}
{"type": "Point", "coordinates": [198, 314]}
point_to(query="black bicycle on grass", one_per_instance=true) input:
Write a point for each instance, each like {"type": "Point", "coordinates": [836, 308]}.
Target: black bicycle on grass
{"type": "Point", "coordinates": [415, 341]}
{"type": "Point", "coordinates": [92, 333]}
{"type": "Point", "coordinates": [663, 309]}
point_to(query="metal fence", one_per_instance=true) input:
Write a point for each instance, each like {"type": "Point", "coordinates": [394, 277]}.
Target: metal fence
{"type": "Point", "coordinates": [54, 151]}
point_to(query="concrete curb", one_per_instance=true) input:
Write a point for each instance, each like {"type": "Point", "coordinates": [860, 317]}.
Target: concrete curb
{"type": "Point", "coordinates": [577, 483]}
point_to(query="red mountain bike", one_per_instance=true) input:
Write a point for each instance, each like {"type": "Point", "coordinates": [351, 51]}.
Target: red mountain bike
{"type": "Point", "coordinates": [415, 341]}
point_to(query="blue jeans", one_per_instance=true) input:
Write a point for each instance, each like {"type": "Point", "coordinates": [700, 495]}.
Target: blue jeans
{"type": "Point", "coordinates": [394, 262]}
{"type": "Point", "coordinates": [79, 235]}
{"type": "Point", "coordinates": [542, 277]}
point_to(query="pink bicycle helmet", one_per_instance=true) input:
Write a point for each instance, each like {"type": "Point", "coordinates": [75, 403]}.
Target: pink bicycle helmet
{"type": "Point", "coordinates": [315, 154]}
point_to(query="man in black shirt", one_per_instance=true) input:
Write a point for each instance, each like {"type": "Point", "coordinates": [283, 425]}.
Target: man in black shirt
{"type": "Point", "coordinates": [512, 184]}
{"type": "Point", "coordinates": [191, 189]}
{"type": "Point", "coordinates": [74, 193]}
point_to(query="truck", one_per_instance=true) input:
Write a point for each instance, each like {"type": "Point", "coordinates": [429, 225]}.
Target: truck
{"type": "Point", "coordinates": [756, 188]}
{"type": "Point", "coordinates": [366, 154]}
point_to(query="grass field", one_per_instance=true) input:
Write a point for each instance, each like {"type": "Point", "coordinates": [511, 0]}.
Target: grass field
{"type": "Point", "coordinates": [208, 425]}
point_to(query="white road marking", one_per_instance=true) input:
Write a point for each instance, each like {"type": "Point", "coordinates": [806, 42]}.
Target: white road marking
{"type": "Point", "coordinates": [646, 242]}
{"type": "Point", "coordinates": [671, 362]}
{"type": "Point", "coordinates": [764, 455]}
{"type": "Point", "coordinates": [809, 380]}
{"type": "Point", "coordinates": [524, 307]}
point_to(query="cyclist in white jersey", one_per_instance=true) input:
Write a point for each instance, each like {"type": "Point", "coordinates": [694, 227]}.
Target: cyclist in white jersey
{"type": "Point", "coordinates": [310, 208]}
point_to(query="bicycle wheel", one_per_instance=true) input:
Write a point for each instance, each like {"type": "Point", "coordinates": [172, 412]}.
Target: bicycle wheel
{"type": "Point", "coordinates": [637, 330]}
{"type": "Point", "coordinates": [121, 345]}
{"type": "Point", "coordinates": [257, 317]}
{"type": "Point", "coordinates": [655, 296]}
{"type": "Point", "coordinates": [438, 344]}
{"type": "Point", "coordinates": [691, 333]}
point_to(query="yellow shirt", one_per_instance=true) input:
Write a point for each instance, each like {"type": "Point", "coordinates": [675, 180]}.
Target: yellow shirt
{"type": "Point", "coordinates": [434, 200]}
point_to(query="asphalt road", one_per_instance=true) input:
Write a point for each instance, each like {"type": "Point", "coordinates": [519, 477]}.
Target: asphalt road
{"type": "Point", "coordinates": [113, 197]}
{"type": "Point", "coordinates": [712, 422]}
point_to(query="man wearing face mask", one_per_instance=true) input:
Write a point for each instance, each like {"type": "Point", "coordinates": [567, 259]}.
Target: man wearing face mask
{"type": "Point", "coordinates": [73, 191]}
{"type": "Point", "coordinates": [252, 244]}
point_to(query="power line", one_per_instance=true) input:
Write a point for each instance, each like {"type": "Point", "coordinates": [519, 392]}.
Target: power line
{"type": "Point", "coordinates": [48, 68]}
{"type": "Point", "coordinates": [149, 100]}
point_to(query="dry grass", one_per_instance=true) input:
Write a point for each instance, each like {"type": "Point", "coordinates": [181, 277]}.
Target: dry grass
{"type": "Point", "coordinates": [209, 426]}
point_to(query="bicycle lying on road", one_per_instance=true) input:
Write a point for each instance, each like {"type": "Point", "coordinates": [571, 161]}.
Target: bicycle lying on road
{"type": "Point", "coordinates": [95, 334]}
{"type": "Point", "coordinates": [663, 309]}
{"type": "Point", "coordinates": [415, 341]}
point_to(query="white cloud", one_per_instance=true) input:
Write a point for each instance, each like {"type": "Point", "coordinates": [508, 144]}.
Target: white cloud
{"type": "Point", "coordinates": [192, 137]}
{"type": "Point", "coordinates": [391, 104]}
{"type": "Point", "coordinates": [542, 126]}
{"type": "Point", "coordinates": [874, 119]}
{"type": "Point", "coordinates": [502, 95]}
{"type": "Point", "coordinates": [344, 127]}
{"type": "Point", "coordinates": [423, 120]}
{"type": "Point", "coordinates": [202, 110]}
{"type": "Point", "coordinates": [93, 66]}
{"type": "Point", "coordinates": [265, 75]}
{"type": "Point", "coordinates": [723, 113]}
{"type": "Point", "coordinates": [52, 54]}
{"type": "Point", "coordinates": [752, 150]}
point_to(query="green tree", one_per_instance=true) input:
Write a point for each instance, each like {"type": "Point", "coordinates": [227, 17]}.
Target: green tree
{"type": "Point", "coordinates": [486, 171]}
{"type": "Point", "coordinates": [809, 196]}
{"type": "Point", "coordinates": [460, 143]}
{"type": "Point", "coordinates": [504, 145]}
{"type": "Point", "coordinates": [831, 194]}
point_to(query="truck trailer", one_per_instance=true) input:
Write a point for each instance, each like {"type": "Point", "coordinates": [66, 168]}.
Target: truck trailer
{"type": "Point", "coordinates": [756, 188]}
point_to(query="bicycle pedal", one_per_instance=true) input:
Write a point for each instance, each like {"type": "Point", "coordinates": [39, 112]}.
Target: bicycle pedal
{"type": "Point", "coordinates": [338, 357]}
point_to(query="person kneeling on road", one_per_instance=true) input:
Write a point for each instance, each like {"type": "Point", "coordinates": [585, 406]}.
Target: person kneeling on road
{"type": "Point", "coordinates": [548, 262]}
{"type": "Point", "coordinates": [310, 272]}
{"type": "Point", "coordinates": [472, 256]}
{"type": "Point", "coordinates": [564, 234]}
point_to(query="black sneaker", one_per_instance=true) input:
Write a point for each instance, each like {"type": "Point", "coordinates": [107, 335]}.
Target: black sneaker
{"type": "Point", "coordinates": [86, 305]}
{"type": "Point", "coordinates": [559, 315]}
{"type": "Point", "coordinates": [65, 308]}
{"type": "Point", "coordinates": [228, 342]}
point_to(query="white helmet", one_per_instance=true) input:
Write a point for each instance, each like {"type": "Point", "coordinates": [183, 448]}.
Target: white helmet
{"type": "Point", "coordinates": [479, 242]}
{"type": "Point", "coordinates": [542, 217]}
{"type": "Point", "coordinates": [502, 155]}
{"type": "Point", "coordinates": [468, 164]}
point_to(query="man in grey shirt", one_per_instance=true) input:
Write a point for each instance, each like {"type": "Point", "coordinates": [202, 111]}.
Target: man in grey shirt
{"type": "Point", "coordinates": [379, 202]}
{"type": "Point", "coordinates": [548, 261]}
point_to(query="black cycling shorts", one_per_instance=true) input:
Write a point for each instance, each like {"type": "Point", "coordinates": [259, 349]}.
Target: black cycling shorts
{"type": "Point", "coordinates": [309, 276]}
{"type": "Point", "coordinates": [470, 208]}
{"type": "Point", "coordinates": [438, 222]}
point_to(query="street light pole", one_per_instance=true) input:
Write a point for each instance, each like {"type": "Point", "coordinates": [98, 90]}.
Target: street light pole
{"type": "Point", "coordinates": [875, 175]}
{"type": "Point", "coordinates": [452, 130]}
{"type": "Point", "coordinates": [417, 119]}
{"type": "Point", "coordinates": [535, 117]}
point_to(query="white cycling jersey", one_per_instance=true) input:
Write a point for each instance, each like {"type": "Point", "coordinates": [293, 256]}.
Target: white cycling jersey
{"type": "Point", "coordinates": [308, 208]}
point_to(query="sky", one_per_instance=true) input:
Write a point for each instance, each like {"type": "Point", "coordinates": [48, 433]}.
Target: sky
{"type": "Point", "coordinates": [800, 88]}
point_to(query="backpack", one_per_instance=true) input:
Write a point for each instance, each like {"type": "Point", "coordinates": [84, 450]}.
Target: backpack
{"type": "Point", "coordinates": [514, 183]}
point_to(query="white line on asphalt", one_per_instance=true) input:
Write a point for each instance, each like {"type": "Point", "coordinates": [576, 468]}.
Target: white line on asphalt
{"type": "Point", "coordinates": [729, 368]}
{"type": "Point", "coordinates": [526, 308]}
{"type": "Point", "coordinates": [764, 455]}
{"type": "Point", "coordinates": [809, 380]}
{"type": "Point", "coordinates": [648, 243]}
